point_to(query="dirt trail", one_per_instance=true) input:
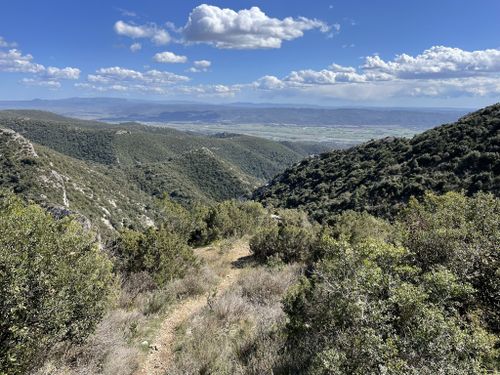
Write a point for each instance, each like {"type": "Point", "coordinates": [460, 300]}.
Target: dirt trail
{"type": "Point", "coordinates": [161, 355]}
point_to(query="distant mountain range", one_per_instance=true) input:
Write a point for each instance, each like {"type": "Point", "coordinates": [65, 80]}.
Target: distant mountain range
{"type": "Point", "coordinates": [116, 110]}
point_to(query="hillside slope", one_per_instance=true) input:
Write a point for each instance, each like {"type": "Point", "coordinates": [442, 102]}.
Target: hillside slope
{"type": "Point", "coordinates": [109, 173]}
{"type": "Point", "coordinates": [131, 143]}
{"type": "Point", "coordinates": [67, 185]}
{"type": "Point", "coordinates": [379, 176]}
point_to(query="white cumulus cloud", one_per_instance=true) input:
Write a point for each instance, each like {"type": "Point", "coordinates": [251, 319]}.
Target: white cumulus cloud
{"type": "Point", "coordinates": [200, 66]}
{"type": "Point", "coordinates": [118, 74]}
{"type": "Point", "coordinates": [128, 80]}
{"type": "Point", "coordinates": [244, 29]}
{"type": "Point", "coordinates": [42, 83]}
{"type": "Point", "coordinates": [169, 57]}
{"type": "Point", "coordinates": [269, 83]}
{"type": "Point", "coordinates": [135, 47]}
{"type": "Point", "coordinates": [334, 74]}
{"type": "Point", "coordinates": [152, 32]}
{"type": "Point", "coordinates": [14, 61]}
{"type": "Point", "coordinates": [222, 91]}
{"type": "Point", "coordinates": [64, 73]}
{"type": "Point", "coordinates": [5, 44]}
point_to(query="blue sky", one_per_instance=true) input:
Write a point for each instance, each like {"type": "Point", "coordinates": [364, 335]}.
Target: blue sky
{"type": "Point", "coordinates": [400, 53]}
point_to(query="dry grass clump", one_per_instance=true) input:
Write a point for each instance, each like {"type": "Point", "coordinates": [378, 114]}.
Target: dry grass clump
{"type": "Point", "coordinates": [196, 282]}
{"type": "Point", "coordinates": [266, 285]}
{"type": "Point", "coordinates": [108, 351]}
{"type": "Point", "coordinates": [237, 332]}
{"type": "Point", "coordinates": [117, 345]}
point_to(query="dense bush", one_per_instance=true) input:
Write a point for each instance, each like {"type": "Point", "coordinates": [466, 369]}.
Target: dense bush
{"type": "Point", "coordinates": [233, 219]}
{"type": "Point", "coordinates": [54, 284]}
{"type": "Point", "coordinates": [426, 304]}
{"type": "Point", "coordinates": [356, 227]}
{"type": "Point", "coordinates": [202, 224]}
{"type": "Point", "coordinates": [462, 235]}
{"type": "Point", "coordinates": [162, 253]}
{"type": "Point", "coordinates": [289, 238]}
{"type": "Point", "coordinates": [178, 219]}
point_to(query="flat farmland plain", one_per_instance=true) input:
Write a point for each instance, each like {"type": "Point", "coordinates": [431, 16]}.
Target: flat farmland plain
{"type": "Point", "coordinates": [338, 135]}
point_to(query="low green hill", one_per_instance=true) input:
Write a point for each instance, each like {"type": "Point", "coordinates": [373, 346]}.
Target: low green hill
{"type": "Point", "coordinates": [111, 172]}
{"type": "Point", "coordinates": [130, 143]}
{"type": "Point", "coordinates": [380, 176]}
{"type": "Point", "coordinates": [66, 185]}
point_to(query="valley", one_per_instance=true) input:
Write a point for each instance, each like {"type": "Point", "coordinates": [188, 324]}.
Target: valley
{"type": "Point", "coordinates": [112, 173]}
{"type": "Point", "coordinates": [331, 127]}
{"type": "Point", "coordinates": [335, 136]}
{"type": "Point", "coordinates": [249, 187]}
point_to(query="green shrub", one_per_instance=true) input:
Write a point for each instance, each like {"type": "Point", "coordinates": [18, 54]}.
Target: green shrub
{"type": "Point", "coordinates": [289, 237]}
{"type": "Point", "coordinates": [54, 284]}
{"type": "Point", "coordinates": [463, 235]}
{"type": "Point", "coordinates": [176, 218]}
{"type": "Point", "coordinates": [233, 219]}
{"type": "Point", "coordinates": [199, 229]}
{"type": "Point", "coordinates": [356, 227]}
{"type": "Point", "coordinates": [202, 224]}
{"type": "Point", "coordinates": [425, 306]}
{"type": "Point", "coordinates": [160, 252]}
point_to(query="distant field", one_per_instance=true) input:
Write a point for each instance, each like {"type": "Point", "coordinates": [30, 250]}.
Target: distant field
{"type": "Point", "coordinates": [342, 135]}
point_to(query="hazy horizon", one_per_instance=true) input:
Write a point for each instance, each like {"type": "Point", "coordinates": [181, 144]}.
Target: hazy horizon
{"type": "Point", "coordinates": [263, 104]}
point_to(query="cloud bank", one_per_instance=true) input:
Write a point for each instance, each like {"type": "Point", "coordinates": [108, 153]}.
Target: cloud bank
{"type": "Point", "coordinates": [14, 61]}
{"type": "Point", "coordinates": [437, 71]}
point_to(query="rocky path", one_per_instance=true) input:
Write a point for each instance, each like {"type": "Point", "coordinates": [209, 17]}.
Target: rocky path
{"type": "Point", "coordinates": [160, 357]}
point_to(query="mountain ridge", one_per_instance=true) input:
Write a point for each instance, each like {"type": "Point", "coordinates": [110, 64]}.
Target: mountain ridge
{"type": "Point", "coordinates": [119, 110]}
{"type": "Point", "coordinates": [113, 173]}
{"type": "Point", "coordinates": [380, 176]}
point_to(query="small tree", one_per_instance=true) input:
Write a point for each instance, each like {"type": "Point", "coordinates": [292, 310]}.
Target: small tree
{"type": "Point", "coordinates": [162, 253]}
{"type": "Point", "coordinates": [232, 218]}
{"type": "Point", "coordinates": [289, 237]}
{"type": "Point", "coordinates": [54, 283]}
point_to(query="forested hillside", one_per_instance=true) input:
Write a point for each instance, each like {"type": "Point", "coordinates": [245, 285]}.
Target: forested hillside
{"type": "Point", "coordinates": [110, 173]}
{"type": "Point", "coordinates": [380, 176]}
{"type": "Point", "coordinates": [103, 196]}
{"type": "Point", "coordinates": [132, 143]}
